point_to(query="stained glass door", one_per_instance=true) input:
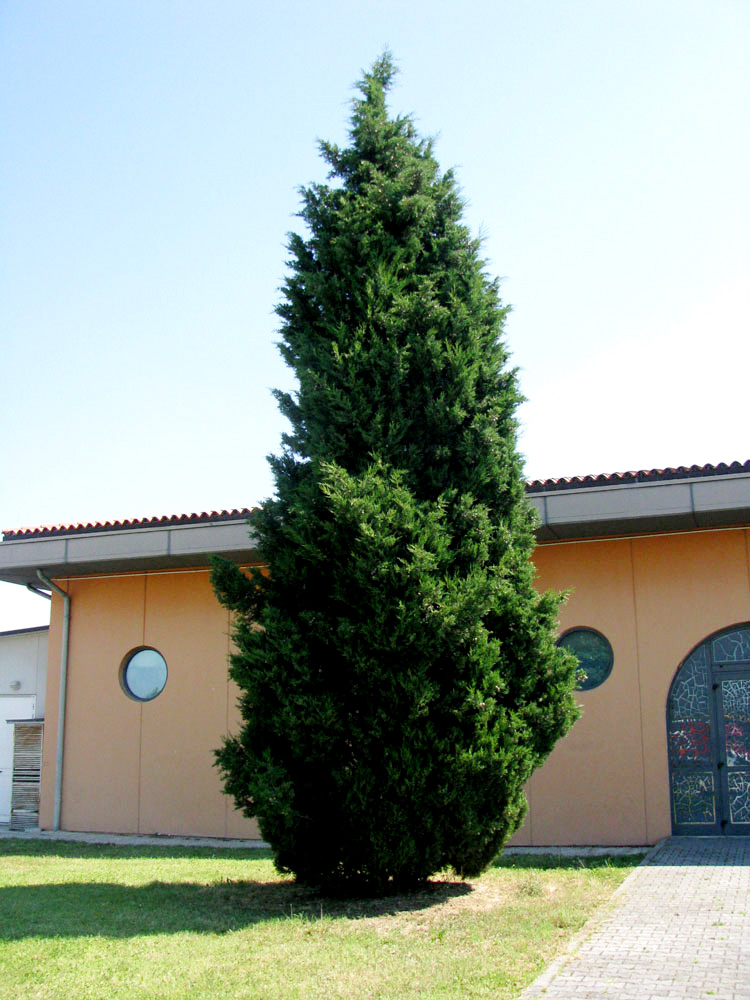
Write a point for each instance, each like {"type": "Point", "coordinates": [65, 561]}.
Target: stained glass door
{"type": "Point", "coordinates": [690, 731]}
{"type": "Point", "coordinates": [708, 736]}
{"type": "Point", "coordinates": [733, 691]}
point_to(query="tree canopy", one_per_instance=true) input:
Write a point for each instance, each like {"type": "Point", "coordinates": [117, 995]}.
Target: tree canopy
{"type": "Point", "coordinates": [398, 671]}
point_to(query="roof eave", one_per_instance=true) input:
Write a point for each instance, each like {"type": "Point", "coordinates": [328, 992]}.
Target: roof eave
{"type": "Point", "coordinates": [595, 511]}
{"type": "Point", "coordinates": [643, 508]}
{"type": "Point", "coordinates": [122, 551]}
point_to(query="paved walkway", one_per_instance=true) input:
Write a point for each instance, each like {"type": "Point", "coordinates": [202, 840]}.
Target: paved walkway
{"type": "Point", "coordinates": [679, 929]}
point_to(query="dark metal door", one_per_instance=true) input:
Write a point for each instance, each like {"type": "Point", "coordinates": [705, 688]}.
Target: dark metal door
{"type": "Point", "coordinates": [708, 736]}
{"type": "Point", "coordinates": [732, 691]}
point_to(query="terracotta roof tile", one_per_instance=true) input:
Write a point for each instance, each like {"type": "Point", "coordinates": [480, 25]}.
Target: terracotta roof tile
{"type": "Point", "coordinates": [643, 476]}
{"type": "Point", "coordinates": [49, 530]}
{"type": "Point", "coordinates": [535, 486]}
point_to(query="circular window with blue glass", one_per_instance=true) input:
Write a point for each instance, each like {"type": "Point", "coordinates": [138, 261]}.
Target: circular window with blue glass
{"type": "Point", "coordinates": [143, 674]}
{"type": "Point", "coordinates": [594, 654]}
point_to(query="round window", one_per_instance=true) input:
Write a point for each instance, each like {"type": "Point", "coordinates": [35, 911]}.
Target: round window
{"type": "Point", "coordinates": [593, 652]}
{"type": "Point", "coordinates": [144, 674]}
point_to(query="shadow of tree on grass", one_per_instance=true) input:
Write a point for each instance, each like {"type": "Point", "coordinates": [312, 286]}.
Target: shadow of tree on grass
{"type": "Point", "coordinates": [108, 909]}
{"type": "Point", "coordinates": [80, 909]}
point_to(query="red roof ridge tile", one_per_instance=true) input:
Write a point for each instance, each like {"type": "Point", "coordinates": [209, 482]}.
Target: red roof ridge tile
{"type": "Point", "coordinates": [532, 486]}
{"type": "Point", "coordinates": [120, 524]}
{"type": "Point", "coordinates": [639, 476]}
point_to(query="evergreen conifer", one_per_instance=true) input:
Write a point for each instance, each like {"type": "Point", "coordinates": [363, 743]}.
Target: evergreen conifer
{"type": "Point", "coordinates": [398, 672]}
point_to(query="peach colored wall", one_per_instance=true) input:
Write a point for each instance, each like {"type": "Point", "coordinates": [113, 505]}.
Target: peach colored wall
{"type": "Point", "coordinates": [142, 767]}
{"type": "Point", "coordinates": [655, 598]}
{"type": "Point", "coordinates": [147, 767]}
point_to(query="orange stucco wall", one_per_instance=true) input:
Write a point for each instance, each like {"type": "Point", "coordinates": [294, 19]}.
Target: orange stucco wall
{"type": "Point", "coordinates": [655, 598]}
{"type": "Point", "coordinates": [148, 767]}
{"type": "Point", "coordinates": [142, 767]}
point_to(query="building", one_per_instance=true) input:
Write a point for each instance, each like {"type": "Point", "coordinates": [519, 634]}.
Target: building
{"type": "Point", "coordinates": [23, 682]}
{"type": "Point", "coordinates": [658, 568]}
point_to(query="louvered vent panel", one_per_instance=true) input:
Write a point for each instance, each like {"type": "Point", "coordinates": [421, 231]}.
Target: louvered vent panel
{"type": "Point", "coordinates": [27, 774]}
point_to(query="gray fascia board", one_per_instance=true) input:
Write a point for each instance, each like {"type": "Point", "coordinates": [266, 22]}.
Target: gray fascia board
{"type": "Point", "coordinates": [107, 546]}
{"type": "Point", "coordinates": [122, 550]}
{"type": "Point", "coordinates": [537, 502]}
{"type": "Point", "coordinates": [717, 501]}
{"type": "Point", "coordinates": [636, 508]}
{"type": "Point", "coordinates": [618, 504]}
{"type": "Point", "coordinates": [19, 561]}
{"type": "Point", "coordinates": [201, 538]}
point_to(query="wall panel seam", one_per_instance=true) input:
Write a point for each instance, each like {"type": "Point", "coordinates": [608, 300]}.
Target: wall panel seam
{"type": "Point", "coordinates": [140, 709]}
{"type": "Point", "coordinates": [640, 689]}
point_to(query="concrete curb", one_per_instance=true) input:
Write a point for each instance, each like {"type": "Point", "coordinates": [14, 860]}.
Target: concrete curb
{"type": "Point", "coordinates": [578, 852]}
{"type": "Point", "coordinates": [133, 840]}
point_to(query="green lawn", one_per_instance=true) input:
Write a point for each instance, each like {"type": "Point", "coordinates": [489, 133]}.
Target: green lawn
{"type": "Point", "coordinates": [92, 921]}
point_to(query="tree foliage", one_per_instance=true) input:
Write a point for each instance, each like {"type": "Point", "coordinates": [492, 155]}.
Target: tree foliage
{"type": "Point", "coordinates": [399, 674]}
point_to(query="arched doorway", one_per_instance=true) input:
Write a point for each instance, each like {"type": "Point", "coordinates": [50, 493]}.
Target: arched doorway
{"type": "Point", "coordinates": [708, 736]}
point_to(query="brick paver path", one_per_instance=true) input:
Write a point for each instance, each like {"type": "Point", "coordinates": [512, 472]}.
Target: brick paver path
{"type": "Point", "coordinates": [679, 930]}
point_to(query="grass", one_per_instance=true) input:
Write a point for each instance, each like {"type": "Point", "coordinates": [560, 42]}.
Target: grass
{"type": "Point", "coordinates": [101, 922]}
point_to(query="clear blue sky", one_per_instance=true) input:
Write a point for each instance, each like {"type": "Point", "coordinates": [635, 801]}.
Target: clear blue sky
{"type": "Point", "coordinates": [151, 154]}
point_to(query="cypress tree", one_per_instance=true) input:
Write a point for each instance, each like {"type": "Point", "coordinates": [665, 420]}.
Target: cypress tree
{"type": "Point", "coordinates": [398, 672]}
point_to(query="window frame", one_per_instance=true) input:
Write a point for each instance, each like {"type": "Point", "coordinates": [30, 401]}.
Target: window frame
{"type": "Point", "coordinates": [126, 662]}
{"type": "Point", "coordinates": [599, 635]}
